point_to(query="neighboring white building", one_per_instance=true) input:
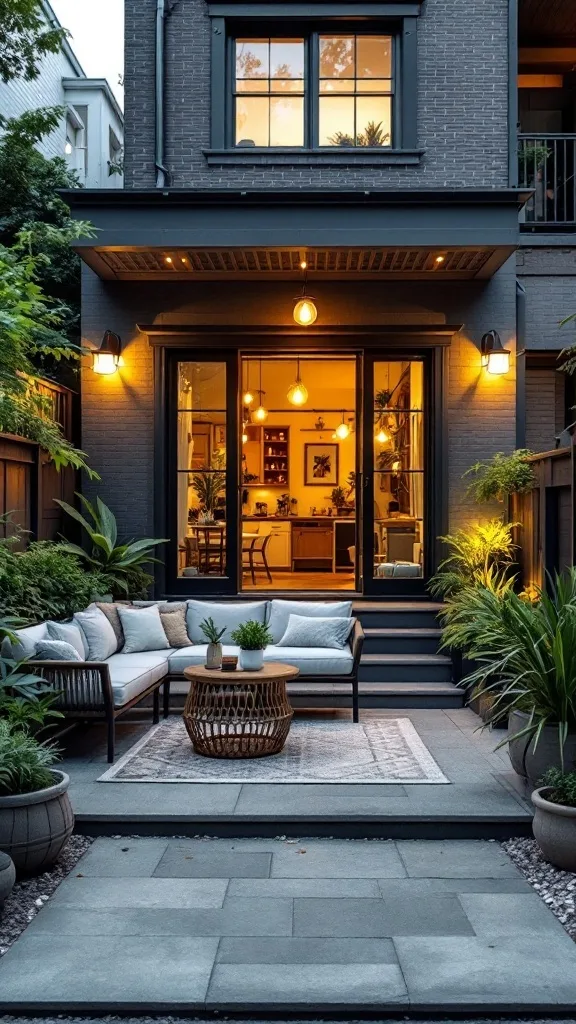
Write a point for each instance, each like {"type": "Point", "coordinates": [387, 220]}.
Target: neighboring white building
{"type": "Point", "coordinates": [91, 136]}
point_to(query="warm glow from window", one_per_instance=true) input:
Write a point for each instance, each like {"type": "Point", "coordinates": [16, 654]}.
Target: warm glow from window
{"type": "Point", "coordinates": [105, 363]}
{"type": "Point", "coordinates": [305, 312]}
{"type": "Point", "coordinates": [498, 363]}
{"type": "Point", "coordinates": [269, 92]}
{"type": "Point", "coordinates": [355, 105]}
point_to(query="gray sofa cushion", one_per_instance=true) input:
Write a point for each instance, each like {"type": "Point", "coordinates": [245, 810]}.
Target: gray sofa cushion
{"type": "Point", "coordinates": [316, 632]}
{"type": "Point", "coordinates": [229, 615]}
{"type": "Point", "coordinates": [98, 633]}
{"type": "Point", "coordinates": [132, 674]}
{"type": "Point", "coordinates": [311, 661]}
{"type": "Point", "coordinates": [69, 633]}
{"type": "Point", "coordinates": [143, 630]}
{"type": "Point", "coordinates": [280, 612]}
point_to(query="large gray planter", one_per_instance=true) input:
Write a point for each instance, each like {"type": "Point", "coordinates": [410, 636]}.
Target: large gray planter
{"type": "Point", "coordinates": [554, 828]}
{"type": "Point", "coordinates": [7, 877]}
{"type": "Point", "coordinates": [35, 826]}
{"type": "Point", "coordinates": [532, 764]}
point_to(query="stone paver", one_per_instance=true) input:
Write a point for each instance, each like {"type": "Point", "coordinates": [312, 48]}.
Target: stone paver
{"type": "Point", "coordinates": [353, 926]}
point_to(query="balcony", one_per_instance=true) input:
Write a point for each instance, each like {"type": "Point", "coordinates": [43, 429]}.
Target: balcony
{"type": "Point", "coordinates": [547, 164]}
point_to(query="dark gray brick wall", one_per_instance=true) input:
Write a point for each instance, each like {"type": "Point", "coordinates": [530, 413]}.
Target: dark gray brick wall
{"type": "Point", "coordinates": [462, 103]}
{"type": "Point", "coordinates": [549, 277]}
{"type": "Point", "coordinates": [118, 411]}
{"type": "Point", "coordinates": [544, 407]}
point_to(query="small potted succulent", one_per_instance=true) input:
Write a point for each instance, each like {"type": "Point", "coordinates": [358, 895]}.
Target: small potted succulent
{"type": "Point", "coordinates": [213, 636]}
{"type": "Point", "coordinates": [554, 824]}
{"type": "Point", "coordinates": [252, 637]}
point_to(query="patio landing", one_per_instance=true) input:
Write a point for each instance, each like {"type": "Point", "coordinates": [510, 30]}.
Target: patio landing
{"type": "Point", "coordinates": [486, 799]}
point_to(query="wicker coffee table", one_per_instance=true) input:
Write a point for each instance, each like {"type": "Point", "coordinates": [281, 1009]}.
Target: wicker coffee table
{"type": "Point", "coordinates": [238, 714]}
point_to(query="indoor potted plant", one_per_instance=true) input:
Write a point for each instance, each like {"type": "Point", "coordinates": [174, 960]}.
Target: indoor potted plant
{"type": "Point", "coordinates": [213, 636]}
{"type": "Point", "coordinates": [252, 637]}
{"type": "Point", "coordinates": [554, 824]}
{"type": "Point", "coordinates": [526, 657]}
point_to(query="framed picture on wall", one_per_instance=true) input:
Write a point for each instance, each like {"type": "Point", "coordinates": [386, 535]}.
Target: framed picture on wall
{"type": "Point", "coordinates": [219, 435]}
{"type": "Point", "coordinates": [321, 465]}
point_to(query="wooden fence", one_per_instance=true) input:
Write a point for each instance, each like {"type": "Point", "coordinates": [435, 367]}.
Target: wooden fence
{"type": "Point", "coordinates": [29, 481]}
{"type": "Point", "coordinates": [546, 535]}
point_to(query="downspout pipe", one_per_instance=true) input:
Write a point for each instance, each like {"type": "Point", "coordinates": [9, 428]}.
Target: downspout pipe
{"type": "Point", "coordinates": [162, 174]}
{"type": "Point", "coordinates": [520, 365]}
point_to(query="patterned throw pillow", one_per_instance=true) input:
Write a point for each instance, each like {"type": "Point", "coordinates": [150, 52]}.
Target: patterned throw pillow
{"type": "Point", "coordinates": [56, 650]}
{"type": "Point", "coordinates": [174, 623]}
{"type": "Point", "coordinates": [303, 632]}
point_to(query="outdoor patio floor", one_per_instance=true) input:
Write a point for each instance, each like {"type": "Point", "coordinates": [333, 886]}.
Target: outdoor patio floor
{"type": "Point", "coordinates": [486, 799]}
{"type": "Point", "coordinates": [159, 925]}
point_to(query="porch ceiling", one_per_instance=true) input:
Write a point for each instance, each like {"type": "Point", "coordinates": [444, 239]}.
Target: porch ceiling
{"type": "Point", "coordinates": [547, 20]}
{"type": "Point", "coordinates": [180, 235]}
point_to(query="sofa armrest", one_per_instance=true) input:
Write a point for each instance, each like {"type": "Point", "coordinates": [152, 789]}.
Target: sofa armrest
{"type": "Point", "coordinates": [357, 645]}
{"type": "Point", "coordinates": [81, 685]}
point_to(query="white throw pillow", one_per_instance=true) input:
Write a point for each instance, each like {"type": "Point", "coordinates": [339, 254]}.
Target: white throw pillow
{"type": "Point", "coordinates": [143, 630]}
{"type": "Point", "coordinates": [316, 632]}
{"type": "Point", "coordinates": [100, 637]}
{"type": "Point", "coordinates": [57, 650]}
{"type": "Point", "coordinates": [228, 616]}
{"type": "Point", "coordinates": [69, 634]}
{"type": "Point", "coordinates": [280, 612]}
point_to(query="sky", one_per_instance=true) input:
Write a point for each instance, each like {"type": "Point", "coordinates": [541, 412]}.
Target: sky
{"type": "Point", "coordinates": [97, 36]}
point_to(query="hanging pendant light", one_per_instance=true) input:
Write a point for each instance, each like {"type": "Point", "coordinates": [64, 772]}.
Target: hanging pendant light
{"type": "Point", "coordinates": [343, 429]}
{"type": "Point", "coordinates": [382, 436]}
{"type": "Point", "coordinates": [244, 433]}
{"type": "Point", "coordinates": [248, 396]}
{"type": "Point", "coordinates": [260, 414]}
{"type": "Point", "coordinates": [298, 392]}
{"type": "Point", "coordinates": [305, 311]}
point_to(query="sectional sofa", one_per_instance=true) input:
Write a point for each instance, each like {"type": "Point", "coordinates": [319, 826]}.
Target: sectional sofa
{"type": "Point", "coordinates": [108, 688]}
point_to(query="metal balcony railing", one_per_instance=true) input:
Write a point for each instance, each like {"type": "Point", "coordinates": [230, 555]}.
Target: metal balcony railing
{"type": "Point", "coordinates": [547, 165]}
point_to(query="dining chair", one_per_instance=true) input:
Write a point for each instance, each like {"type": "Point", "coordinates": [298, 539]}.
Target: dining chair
{"type": "Point", "coordinates": [211, 548]}
{"type": "Point", "coordinates": [257, 547]}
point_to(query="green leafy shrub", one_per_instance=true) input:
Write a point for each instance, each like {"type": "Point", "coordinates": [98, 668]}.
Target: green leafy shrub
{"type": "Point", "coordinates": [252, 636]}
{"type": "Point", "coordinates": [501, 476]}
{"type": "Point", "coordinates": [478, 556]}
{"type": "Point", "coordinates": [124, 564]}
{"type": "Point", "coordinates": [562, 787]}
{"type": "Point", "coordinates": [25, 763]}
{"type": "Point", "coordinates": [46, 581]}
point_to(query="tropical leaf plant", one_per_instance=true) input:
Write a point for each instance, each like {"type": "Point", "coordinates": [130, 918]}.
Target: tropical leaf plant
{"type": "Point", "coordinates": [480, 555]}
{"type": "Point", "coordinates": [209, 485]}
{"type": "Point", "coordinates": [525, 654]}
{"type": "Point", "coordinates": [118, 561]}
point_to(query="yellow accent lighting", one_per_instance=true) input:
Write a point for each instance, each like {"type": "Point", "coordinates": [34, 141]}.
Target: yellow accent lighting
{"type": "Point", "coordinates": [305, 311]}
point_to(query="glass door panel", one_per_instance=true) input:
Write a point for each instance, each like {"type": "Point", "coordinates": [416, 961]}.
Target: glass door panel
{"type": "Point", "coordinates": [394, 480]}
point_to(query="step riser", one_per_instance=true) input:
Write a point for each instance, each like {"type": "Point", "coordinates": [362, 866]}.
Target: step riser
{"type": "Point", "coordinates": [381, 701]}
{"type": "Point", "coordinates": [404, 672]}
{"type": "Point", "coordinates": [402, 645]}
{"type": "Point", "coordinates": [412, 619]}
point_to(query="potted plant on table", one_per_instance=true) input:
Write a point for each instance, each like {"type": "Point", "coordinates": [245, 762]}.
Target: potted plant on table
{"type": "Point", "coordinates": [554, 824]}
{"type": "Point", "coordinates": [252, 637]}
{"type": "Point", "coordinates": [213, 636]}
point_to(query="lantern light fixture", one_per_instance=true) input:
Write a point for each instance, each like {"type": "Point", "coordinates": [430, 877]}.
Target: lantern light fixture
{"type": "Point", "coordinates": [343, 429]}
{"type": "Point", "coordinates": [495, 358]}
{"type": "Point", "coordinates": [107, 358]}
{"type": "Point", "coordinates": [297, 392]}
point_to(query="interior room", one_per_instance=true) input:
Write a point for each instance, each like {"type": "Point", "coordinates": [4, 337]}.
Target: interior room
{"type": "Point", "coordinates": [300, 463]}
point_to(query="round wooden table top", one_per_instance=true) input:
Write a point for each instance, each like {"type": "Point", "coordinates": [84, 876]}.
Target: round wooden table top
{"type": "Point", "coordinates": [272, 670]}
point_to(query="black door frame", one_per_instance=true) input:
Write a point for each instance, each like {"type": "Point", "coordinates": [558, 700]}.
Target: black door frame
{"type": "Point", "coordinates": [175, 343]}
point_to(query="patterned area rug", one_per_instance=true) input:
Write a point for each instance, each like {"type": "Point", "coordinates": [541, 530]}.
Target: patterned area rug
{"type": "Point", "coordinates": [382, 751]}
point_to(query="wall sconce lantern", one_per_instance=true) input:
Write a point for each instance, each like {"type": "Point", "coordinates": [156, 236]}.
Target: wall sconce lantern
{"type": "Point", "coordinates": [106, 359]}
{"type": "Point", "coordinates": [495, 357]}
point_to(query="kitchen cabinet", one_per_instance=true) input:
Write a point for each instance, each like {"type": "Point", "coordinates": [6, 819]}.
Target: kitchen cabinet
{"type": "Point", "coordinates": [312, 545]}
{"type": "Point", "coordinates": [278, 551]}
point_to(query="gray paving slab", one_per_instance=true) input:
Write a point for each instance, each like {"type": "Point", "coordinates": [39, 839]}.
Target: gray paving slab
{"type": "Point", "coordinates": [153, 799]}
{"type": "Point", "coordinates": [236, 917]}
{"type": "Point", "coordinates": [395, 915]}
{"type": "Point", "coordinates": [125, 893]}
{"type": "Point", "coordinates": [337, 859]}
{"type": "Point", "coordinates": [472, 972]}
{"type": "Point", "coordinates": [492, 914]}
{"type": "Point", "coordinates": [210, 861]}
{"type": "Point", "coordinates": [90, 971]}
{"type": "Point", "coordinates": [456, 859]}
{"type": "Point", "coordinates": [295, 950]}
{"type": "Point", "coordinates": [310, 985]}
{"type": "Point", "coordinates": [123, 858]}
{"type": "Point", "coordinates": [335, 887]}
{"type": "Point", "coordinates": [422, 886]}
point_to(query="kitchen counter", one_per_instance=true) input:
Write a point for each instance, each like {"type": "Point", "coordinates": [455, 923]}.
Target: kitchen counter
{"type": "Point", "coordinates": [297, 519]}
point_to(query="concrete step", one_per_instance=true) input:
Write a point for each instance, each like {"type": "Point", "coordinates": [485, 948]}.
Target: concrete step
{"type": "Point", "coordinates": [397, 614]}
{"type": "Point", "coordinates": [417, 640]}
{"type": "Point", "coordinates": [405, 668]}
{"type": "Point", "coordinates": [382, 695]}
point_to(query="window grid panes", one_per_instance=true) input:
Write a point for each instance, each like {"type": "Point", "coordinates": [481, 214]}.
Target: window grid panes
{"type": "Point", "coordinates": [351, 92]}
{"type": "Point", "coordinates": [269, 92]}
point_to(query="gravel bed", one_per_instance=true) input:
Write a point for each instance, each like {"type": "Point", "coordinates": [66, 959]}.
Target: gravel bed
{"type": "Point", "coordinates": [30, 894]}
{"type": "Point", "coordinates": [557, 888]}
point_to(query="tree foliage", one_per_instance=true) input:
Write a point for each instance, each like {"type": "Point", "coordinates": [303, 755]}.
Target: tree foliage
{"type": "Point", "coordinates": [25, 38]}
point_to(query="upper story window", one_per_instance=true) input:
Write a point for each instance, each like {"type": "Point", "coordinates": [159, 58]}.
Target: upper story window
{"type": "Point", "coordinates": [317, 91]}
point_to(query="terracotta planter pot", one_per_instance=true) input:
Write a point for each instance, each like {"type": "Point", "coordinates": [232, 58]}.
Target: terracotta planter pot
{"type": "Point", "coordinates": [35, 826]}
{"type": "Point", "coordinates": [554, 828]}
{"type": "Point", "coordinates": [532, 764]}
